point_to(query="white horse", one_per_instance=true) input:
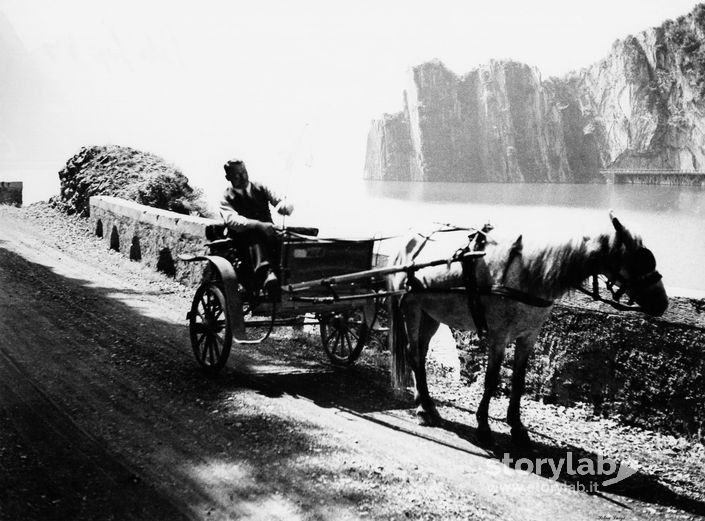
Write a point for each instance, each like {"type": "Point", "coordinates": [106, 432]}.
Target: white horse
{"type": "Point", "coordinates": [512, 289]}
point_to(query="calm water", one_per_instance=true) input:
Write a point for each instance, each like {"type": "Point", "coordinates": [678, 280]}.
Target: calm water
{"type": "Point", "coordinates": [670, 219]}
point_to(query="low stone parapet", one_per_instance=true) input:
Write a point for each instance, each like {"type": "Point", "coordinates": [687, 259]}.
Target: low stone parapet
{"type": "Point", "coordinates": [11, 193]}
{"type": "Point", "coordinates": [151, 236]}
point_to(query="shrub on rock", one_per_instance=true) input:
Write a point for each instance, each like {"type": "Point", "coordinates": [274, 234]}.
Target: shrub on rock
{"type": "Point", "coordinates": [126, 173]}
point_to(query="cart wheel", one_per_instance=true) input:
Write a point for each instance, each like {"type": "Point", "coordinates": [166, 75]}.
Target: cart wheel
{"type": "Point", "coordinates": [344, 334]}
{"type": "Point", "coordinates": [209, 327]}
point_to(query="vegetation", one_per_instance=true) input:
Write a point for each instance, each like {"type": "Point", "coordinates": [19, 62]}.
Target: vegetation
{"type": "Point", "coordinates": [686, 37]}
{"type": "Point", "coordinates": [129, 174]}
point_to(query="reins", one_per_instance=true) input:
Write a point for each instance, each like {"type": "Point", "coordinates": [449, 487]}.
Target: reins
{"type": "Point", "coordinates": [446, 228]}
{"type": "Point", "coordinates": [617, 285]}
{"type": "Point", "coordinates": [314, 238]}
{"type": "Point", "coordinates": [519, 296]}
{"type": "Point", "coordinates": [494, 290]}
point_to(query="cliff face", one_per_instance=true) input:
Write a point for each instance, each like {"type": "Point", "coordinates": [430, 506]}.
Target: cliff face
{"type": "Point", "coordinates": [641, 106]}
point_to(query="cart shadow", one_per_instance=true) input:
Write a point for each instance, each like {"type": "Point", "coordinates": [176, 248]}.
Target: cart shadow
{"type": "Point", "coordinates": [361, 389]}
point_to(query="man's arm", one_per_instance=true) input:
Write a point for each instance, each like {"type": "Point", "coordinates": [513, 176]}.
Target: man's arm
{"type": "Point", "coordinates": [281, 206]}
{"type": "Point", "coordinates": [239, 223]}
{"type": "Point", "coordinates": [233, 220]}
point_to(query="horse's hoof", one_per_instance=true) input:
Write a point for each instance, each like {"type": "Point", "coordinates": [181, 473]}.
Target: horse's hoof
{"type": "Point", "coordinates": [520, 438]}
{"type": "Point", "coordinates": [484, 436]}
{"type": "Point", "coordinates": [428, 419]}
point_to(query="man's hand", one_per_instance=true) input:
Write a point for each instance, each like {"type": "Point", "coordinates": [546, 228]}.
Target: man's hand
{"type": "Point", "coordinates": [266, 229]}
{"type": "Point", "coordinates": [285, 208]}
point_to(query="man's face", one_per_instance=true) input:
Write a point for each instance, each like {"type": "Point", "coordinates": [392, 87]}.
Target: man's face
{"type": "Point", "coordinates": [238, 176]}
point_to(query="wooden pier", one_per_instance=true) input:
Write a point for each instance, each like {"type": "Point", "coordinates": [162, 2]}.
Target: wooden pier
{"type": "Point", "coordinates": [654, 176]}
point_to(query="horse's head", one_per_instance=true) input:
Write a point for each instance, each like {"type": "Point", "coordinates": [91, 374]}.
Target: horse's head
{"type": "Point", "coordinates": [631, 268]}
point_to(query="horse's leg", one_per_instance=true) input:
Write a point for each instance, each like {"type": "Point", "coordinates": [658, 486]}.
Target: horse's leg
{"type": "Point", "coordinates": [495, 355]}
{"type": "Point", "coordinates": [420, 328]}
{"type": "Point", "coordinates": [524, 345]}
{"type": "Point", "coordinates": [426, 411]}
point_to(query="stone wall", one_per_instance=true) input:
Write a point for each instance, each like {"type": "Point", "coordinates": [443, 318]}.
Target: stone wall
{"type": "Point", "coordinates": [11, 193]}
{"type": "Point", "coordinates": [152, 236]}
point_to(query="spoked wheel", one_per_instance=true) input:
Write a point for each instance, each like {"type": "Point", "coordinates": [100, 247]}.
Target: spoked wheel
{"type": "Point", "coordinates": [210, 328]}
{"type": "Point", "coordinates": [344, 334]}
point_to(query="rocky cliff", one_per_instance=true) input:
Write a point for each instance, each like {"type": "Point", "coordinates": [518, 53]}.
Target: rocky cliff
{"type": "Point", "coordinates": [641, 106]}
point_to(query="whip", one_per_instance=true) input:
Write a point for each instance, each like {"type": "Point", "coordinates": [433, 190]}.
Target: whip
{"type": "Point", "coordinates": [293, 159]}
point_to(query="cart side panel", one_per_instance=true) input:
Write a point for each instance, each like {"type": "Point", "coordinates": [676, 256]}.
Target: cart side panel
{"type": "Point", "coordinates": [304, 261]}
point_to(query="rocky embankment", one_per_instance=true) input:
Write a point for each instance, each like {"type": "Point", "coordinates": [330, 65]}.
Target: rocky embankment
{"type": "Point", "coordinates": [649, 372]}
{"type": "Point", "coordinates": [128, 174]}
{"type": "Point", "coordinates": [639, 107]}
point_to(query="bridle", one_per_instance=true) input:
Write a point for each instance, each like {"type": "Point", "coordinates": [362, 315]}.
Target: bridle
{"type": "Point", "coordinates": [644, 265]}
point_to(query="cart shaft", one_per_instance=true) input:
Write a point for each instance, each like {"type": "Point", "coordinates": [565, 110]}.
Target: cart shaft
{"type": "Point", "coordinates": [378, 272]}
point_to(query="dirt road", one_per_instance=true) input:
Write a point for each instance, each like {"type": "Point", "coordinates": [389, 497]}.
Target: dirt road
{"type": "Point", "coordinates": [104, 415]}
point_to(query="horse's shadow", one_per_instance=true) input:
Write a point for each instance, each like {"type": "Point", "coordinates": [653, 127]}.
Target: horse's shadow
{"type": "Point", "coordinates": [639, 486]}
{"type": "Point", "coordinates": [365, 390]}
{"type": "Point", "coordinates": [362, 390]}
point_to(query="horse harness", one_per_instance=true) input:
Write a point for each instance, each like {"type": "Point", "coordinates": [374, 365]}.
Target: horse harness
{"type": "Point", "coordinates": [643, 264]}
{"type": "Point", "coordinates": [477, 241]}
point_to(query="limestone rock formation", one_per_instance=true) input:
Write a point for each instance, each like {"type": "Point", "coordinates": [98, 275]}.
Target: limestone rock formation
{"type": "Point", "coordinates": [641, 106]}
{"type": "Point", "coordinates": [126, 173]}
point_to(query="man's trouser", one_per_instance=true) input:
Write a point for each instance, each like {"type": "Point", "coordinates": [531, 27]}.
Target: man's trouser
{"type": "Point", "coordinates": [259, 253]}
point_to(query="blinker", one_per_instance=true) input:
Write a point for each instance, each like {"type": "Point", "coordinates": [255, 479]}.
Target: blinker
{"type": "Point", "coordinates": [644, 261]}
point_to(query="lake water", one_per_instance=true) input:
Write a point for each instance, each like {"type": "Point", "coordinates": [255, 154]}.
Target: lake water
{"type": "Point", "coordinates": [671, 219]}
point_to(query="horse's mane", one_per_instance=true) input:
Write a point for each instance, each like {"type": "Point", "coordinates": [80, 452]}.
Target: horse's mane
{"type": "Point", "coordinates": [547, 268]}
{"type": "Point", "coordinates": [555, 268]}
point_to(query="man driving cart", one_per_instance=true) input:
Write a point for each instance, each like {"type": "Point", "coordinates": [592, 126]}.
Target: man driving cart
{"type": "Point", "coordinates": [245, 210]}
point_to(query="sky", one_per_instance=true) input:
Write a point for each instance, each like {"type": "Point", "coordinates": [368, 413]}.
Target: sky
{"type": "Point", "coordinates": [290, 87]}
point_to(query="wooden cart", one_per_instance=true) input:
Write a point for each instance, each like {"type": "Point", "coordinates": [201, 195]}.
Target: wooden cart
{"type": "Point", "coordinates": [332, 282]}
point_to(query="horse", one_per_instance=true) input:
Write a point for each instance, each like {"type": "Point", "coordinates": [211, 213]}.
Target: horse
{"type": "Point", "coordinates": [506, 295]}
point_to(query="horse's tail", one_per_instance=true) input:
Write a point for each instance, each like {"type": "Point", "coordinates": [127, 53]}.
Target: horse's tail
{"type": "Point", "coordinates": [397, 338]}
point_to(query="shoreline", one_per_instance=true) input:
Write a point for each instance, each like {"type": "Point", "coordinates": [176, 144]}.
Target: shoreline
{"type": "Point", "coordinates": [695, 294]}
